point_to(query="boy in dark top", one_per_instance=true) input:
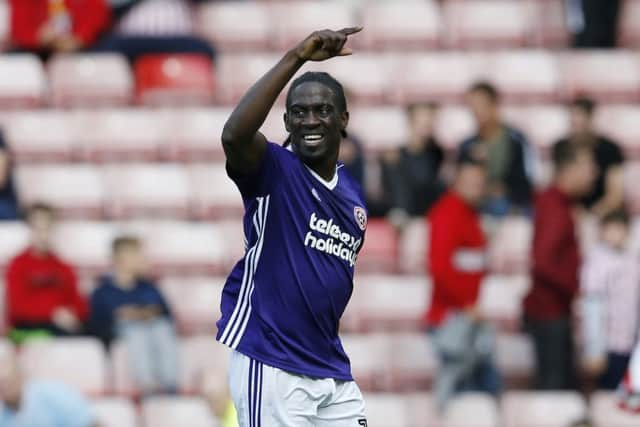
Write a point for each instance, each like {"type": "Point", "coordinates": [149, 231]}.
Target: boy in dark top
{"type": "Point", "coordinates": [9, 208]}
{"type": "Point", "coordinates": [127, 306]}
{"type": "Point", "coordinates": [607, 194]}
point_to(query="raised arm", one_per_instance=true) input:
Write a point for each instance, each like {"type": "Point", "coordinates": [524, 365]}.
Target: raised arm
{"type": "Point", "coordinates": [243, 145]}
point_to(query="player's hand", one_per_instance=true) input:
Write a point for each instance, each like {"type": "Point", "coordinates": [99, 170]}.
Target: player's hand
{"type": "Point", "coordinates": [325, 44]}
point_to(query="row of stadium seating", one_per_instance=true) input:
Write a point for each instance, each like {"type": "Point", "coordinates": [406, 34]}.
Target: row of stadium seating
{"type": "Point", "coordinates": [522, 75]}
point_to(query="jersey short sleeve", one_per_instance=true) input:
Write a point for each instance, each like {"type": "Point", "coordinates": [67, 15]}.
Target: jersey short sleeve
{"type": "Point", "coordinates": [259, 182]}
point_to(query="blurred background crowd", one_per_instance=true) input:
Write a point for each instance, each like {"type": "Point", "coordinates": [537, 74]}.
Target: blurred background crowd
{"type": "Point", "coordinates": [496, 142]}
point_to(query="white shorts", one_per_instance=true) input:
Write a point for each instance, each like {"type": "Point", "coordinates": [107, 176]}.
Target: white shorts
{"type": "Point", "coordinates": [265, 396]}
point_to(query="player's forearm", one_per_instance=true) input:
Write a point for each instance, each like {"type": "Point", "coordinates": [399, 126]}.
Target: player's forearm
{"type": "Point", "coordinates": [252, 110]}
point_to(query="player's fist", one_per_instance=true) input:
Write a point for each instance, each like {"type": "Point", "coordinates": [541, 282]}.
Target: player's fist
{"type": "Point", "coordinates": [325, 44]}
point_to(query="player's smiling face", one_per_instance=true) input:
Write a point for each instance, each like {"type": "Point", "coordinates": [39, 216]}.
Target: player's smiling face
{"type": "Point", "coordinates": [315, 123]}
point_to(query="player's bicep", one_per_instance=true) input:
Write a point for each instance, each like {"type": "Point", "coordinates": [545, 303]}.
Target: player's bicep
{"type": "Point", "coordinates": [245, 156]}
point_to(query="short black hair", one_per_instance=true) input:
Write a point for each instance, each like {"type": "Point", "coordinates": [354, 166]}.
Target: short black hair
{"type": "Point", "coordinates": [565, 152]}
{"type": "Point", "coordinates": [124, 241]}
{"type": "Point", "coordinates": [486, 88]}
{"type": "Point", "coordinates": [325, 79]}
{"type": "Point", "coordinates": [427, 105]}
{"type": "Point", "coordinates": [468, 160]}
{"type": "Point", "coordinates": [620, 216]}
{"type": "Point", "coordinates": [39, 207]}
{"type": "Point", "coordinates": [585, 104]}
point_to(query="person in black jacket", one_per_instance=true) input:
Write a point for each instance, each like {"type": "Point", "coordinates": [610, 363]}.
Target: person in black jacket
{"type": "Point", "coordinates": [503, 149]}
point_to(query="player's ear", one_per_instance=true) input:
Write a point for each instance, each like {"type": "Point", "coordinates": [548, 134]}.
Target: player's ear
{"type": "Point", "coordinates": [344, 120]}
{"type": "Point", "coordinates": [286, 122]}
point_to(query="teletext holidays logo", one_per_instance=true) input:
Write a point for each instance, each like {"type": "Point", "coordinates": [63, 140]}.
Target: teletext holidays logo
{"type": "Point", "coordinates": [337, 243]}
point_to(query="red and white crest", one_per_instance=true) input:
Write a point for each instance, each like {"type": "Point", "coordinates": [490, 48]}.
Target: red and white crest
{"type": "Point", "coordinates": [361, 217]}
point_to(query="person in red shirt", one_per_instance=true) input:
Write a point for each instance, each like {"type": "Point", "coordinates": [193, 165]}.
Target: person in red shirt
{"type": "Point", "coordinates": [457, 262]}
{"type": "Point", "coordinates": [555, 265]}
{"type": "Point", "coordinates": [57, 25]}
{"type": "Point", "coordinates": [41, 289]}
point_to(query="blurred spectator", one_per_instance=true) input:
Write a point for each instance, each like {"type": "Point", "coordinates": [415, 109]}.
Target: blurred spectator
{"type": "Point", "coordinates": [9, 209]}
{"type": "Point", "coordinates": [610, 285]}
{"type": "Point", "coordinates": [607, 194]}
{"type": "Point", "coordinates": [352, 156]}
{"type": "Point", "coordinates": [128, 306]}
{"type": "Point", "coordinates": [154, 26]}
{"type": "Point", "coordinates": [411, 174]}
{"type": "Point", "coordinates": [46, 26]}
{"type": "Point", "coordinates": [40, 403]}
{"type": "Point", "coordinates": [42, 290]}
{"type": "Point", "coordinates": [555, 265]}
{"type": "Point", "coordinates": [457, 261]}
{"type": "Point", "coordinates": [594, 23]}
{"type": "Point", "coordinates": [504, 149]}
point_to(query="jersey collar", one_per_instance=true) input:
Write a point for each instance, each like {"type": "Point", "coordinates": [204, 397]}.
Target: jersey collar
{"type": "Point", "coordinates": [329, 184]}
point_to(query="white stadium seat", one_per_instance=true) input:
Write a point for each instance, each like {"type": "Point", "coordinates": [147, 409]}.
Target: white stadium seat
{"type": "Point", "coordinates": [177, 412]}
{"type": "Point", "coordinates": [605, 411]}
{"type": "Point", "coordinates": [14, 237]}
{"type": "Point", "coordinates": [204, 364]}
{"type": "Point", "coordinates": [115, 412]}
{"type": "Point", "coordinates": [86, 244]}
{"type": "Point", "coordinates": [195, 134]}
{"type": "Point", "coordinates": [387, 410]}
{"type": "Point", "coordinates": [218, 22]}
{"type": "Point", "coordinates": [22, 81]}
{"type": "Point", "coordinates": [380, 128]}
{"type": "Point", "coordinates": [41, 135]}
{"type": "Point", "coordinates": [194, 301]}
{"type": "Point", "coordinates": [542, 409]}
{"type": "Point", "coordinates": [526, 75]}
{"type": "Point", "coordinates": [215, 194]}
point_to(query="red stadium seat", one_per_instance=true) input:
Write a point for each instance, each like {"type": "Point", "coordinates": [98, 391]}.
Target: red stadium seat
{"type": "Point", "coordinates": [90, 80]}
{"type": "Point", "coordinates": [86, 244]}
{"type": "Point", "coordinates": [195, 302]}
{"type": "Point", "coordinates": [515, 359]}
{"type": "Point", "coordinates": [436, 76]}
{"type": "Point", "coordinates": [380, 128]}
{"type": "Point", "coordinates": [153, 189]}
{"type": "Point", "coordinates": [414, 362]}
{"type": "Point", "coordinates": [525, 75]}
{"type": "Point", "coordinates": [174, 79]}
{"type": "Point", "coordinates": [177, 412]}
{"type": "Point", "coordinates": [215, 194]}
{"type": "Point", "coordinates": [380, 250]}
{"type": "Point", "coordinates": [372, 356]}
{"type": "Point", "coordinates": [115, 412]}
{"type": "Point", "coordinates": [41, 136]}
{"type": "Point", "coordinates": [605, 75]}
{"type": "Point", "coordinates": [78, 362]}
{"type": "Point", "coordinates": [309, 17]}
{"type": "Point", "coordinates": [218, 22]}
{"type": "Point", "coordinates": [543, 124]}
{"type": "Point", "coordinates": [509, 250]}
{"type": "Point", "coordinates": [540, 409]}
{"type": "Point", "coordinates": [414, 241]}
{"type": "Point", "coordinates": [14, 237]}
{"type": "Point", "coordinates": [22, 81]}
{"type": "Point", "coordinates": [401, 25]}
{"type": "Point", "coordinates": [238, 72]}
{"type": "Point", "coordinates": [454, 125]}
{"type": "Point", "coordinates": [629, 33]}
{"type": "Point", "coordinates": [620, 123]}
{"type": "Point", "coordinates": [122, 134]}
{"type": "Point", "coordinates": [387, 410]}
{"type": "Point", "coordinates": [76, 190]}
{"type": "Point", "coordinates": [489, 23]}
{"type": "Point", "coordinates": [605, 412]}
{"type": "Point", "coordinates": [204, 364]}
{"type": "Point", "coordinates": [501, 299]}
{"type": "Point", "coordinates": [194, 134]}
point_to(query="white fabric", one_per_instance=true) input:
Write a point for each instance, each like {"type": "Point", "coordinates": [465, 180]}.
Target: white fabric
{"type": "Point", "coordinates": [158, 18]}
{"type": "Point", "coordinates": [266, 396]}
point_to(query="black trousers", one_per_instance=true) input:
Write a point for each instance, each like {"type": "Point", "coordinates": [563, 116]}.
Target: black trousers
{"type": "Point", "coordinates": [554, 350]}
{"type": "Point", "coordinates": [600, 24]}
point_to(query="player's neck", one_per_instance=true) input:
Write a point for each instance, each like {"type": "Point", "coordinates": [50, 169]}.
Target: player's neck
{"type": "Point", "coordinates": [325, 170]}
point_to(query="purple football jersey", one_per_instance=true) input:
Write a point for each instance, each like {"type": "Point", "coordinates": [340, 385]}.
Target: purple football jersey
{"type": "Point", "coordinates": [282, 302]}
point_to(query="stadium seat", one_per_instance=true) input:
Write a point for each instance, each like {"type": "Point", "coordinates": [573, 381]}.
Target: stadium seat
{"type": "Point", "coordinates": [78, 362]}
{"type": "Point", "coordinates": [184, 247]}
{"type": "Point", "coordinates": [619, 122]}
{"type": "Point", "coordinates": [515, 359]}
{"type": "Point", "coordinates": [41, 136]}
{"type": "Point", "coordinates": [380, 128]}
{"type": "Point", "coordinates": [90, 80]}
{"type": "Point", "coordinates": [75, 190]}
{"type": "Point", "coordinates": [551, 26]}
{"type": "Point", "coordinates": [215, 194]}
{"type": "Point", "coordinates": [218, 22]}
{"type": "Point", "coordinates": [309, 17]}
{"type": "Point", "coordinates": [3, 317]}
{"type": "Point", "coordinates": [631, 179]}
{"type": "Point", "coordinates": [122, 134]}
{"type": "Point", "coordinates": [509, 249]}
{"type": "Point", "coordinates": [115, 412]}
{"type": "Point", "coordinates": [526, 75]}
{"type": "Point", "coordinates": [441, 76]}
{"type": "Point", "coordinates": [413, 244]}
{"type": "Point", "coordinates": [7, 351]}
{"type": "Point", "coordinates": [152, 189]}
{"type": "Point", "coordinates": [22, 81]}
{"type": "Point", "coordinates": [380, 250]}
{"type": "Point", "coordinates": [414, 362]}
{"type": "Point", "coordinates": [5, 24]}
{"type": "Point", "coordinates": [14, 237]}
{"type": "Point", "coordinates": [273, 128]}
{"type": "Point", "coordinates": [372, 356]}
{"type": "Point", "coordinates": [204, 364]}
{"type": "Point", "coordinates": [628, 31]}
{"type": "Point", "coordinates": [177, 412]}
{"type": "Point", "coordinates": [194, 134]}
{"type": "Point", "coordinates": [605, 412]}
{"type": "Point", "coordinates": [122, 379]}
{"type": "Point", "coordinates": [605, 75]}
{"type": "Point", "coordinates": [387, 410]}
{"type": "Point", "coordinates": [464, 410]}
{"type": "Point", "coordinates": [195, 302]}
{"type": "Point", "coordinates": [542, 409]}
{"type": "Point", "coordinates": [501, 299]}
{"type": "Point", "coordinates": [454, 125]}
{"type": "Point", "coordinates": [174, 79]}
{"type": "Point", "coordinates": [543, 124]}
{"type": "Point", "coordinates": [237, 72]}
{"type": "Point", "coordinates": [232, 233]}
{"type": "Point", "coordinates": [393, 302]}
{"type": "Point", "coordinates": [86, 244]}
{"type": "Point", "coordinates": [401, 25]}
{"type": "Point", "coordinates": [489, 23]}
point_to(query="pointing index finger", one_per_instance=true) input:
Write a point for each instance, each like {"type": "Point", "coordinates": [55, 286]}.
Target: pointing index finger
{"type": "Point", "coordinates": [350, 30]}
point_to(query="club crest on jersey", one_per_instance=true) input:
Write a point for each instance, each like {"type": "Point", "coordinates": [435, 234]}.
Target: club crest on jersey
{"type": "Point", "coordinates": [361, 217]}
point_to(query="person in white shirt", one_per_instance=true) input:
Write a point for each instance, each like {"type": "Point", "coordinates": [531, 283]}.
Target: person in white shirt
{"type": "Point", "coordinates": [610, 287]}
